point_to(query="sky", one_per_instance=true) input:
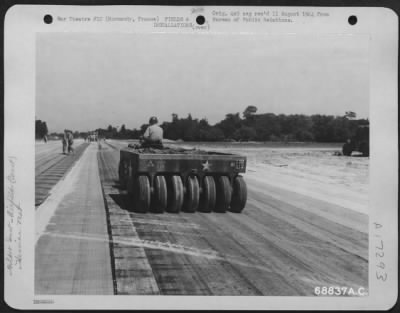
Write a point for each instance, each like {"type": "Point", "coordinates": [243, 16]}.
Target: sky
{"type": "Point", "coordinates": [86, 81]}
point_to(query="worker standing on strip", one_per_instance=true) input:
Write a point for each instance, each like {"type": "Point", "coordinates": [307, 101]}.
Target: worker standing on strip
{"type": "Point", "coordinates": [70, 142]}
{"type": "Point", "coordinates": [65, 142]}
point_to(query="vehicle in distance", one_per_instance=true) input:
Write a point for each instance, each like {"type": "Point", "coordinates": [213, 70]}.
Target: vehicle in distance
{"type": "Point", "coordinates": [359, 142]}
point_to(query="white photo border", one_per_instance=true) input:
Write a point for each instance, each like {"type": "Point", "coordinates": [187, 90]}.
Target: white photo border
{"type": "Point", "coordinates": [23, 22]}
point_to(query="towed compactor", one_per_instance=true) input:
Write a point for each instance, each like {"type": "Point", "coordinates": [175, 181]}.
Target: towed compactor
{"type": "Point", "coordinates": [172, 180]}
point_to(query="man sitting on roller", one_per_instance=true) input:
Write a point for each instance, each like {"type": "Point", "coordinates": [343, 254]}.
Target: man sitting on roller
{"type": "Point", "coordinates": [153, 136]}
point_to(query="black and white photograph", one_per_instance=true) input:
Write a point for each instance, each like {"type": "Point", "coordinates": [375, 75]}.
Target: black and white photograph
{"type": "Point", "coordinates": [185, 162]}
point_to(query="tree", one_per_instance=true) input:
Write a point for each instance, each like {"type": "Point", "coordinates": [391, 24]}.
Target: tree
{"type": "Point", "coordinates": [122, 131]}
{"type": "Point", "coordinates": [204, 123]}
{"type": "Point", "coordinates": [245, 133]}
{"type": "Point", "coordinates": [215, 134]}
{"type": "Point", "coordinates": [304, 135]}
{"type": "Point", "coordinates": [350, 115]}
{"type": "Point", "coordinates": [143, 128]}
{"type": "Point", "coordinates": [230, 124]}
{"type": "Point", "coordinates": [41, 129]}
{"type": "Point", "coordinates": [267, 125]}
{"type": "Point", "coordinates": [250, 110]}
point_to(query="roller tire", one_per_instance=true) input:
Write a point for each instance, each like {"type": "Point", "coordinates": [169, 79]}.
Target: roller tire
{"type": "Point", "coordinates": [192, 195]}
{"type": "Point", "coordinates": [239, 195]}
{"type": "Point", "coordinates": [224, 194]}
{"type": "Point", "coordinates": [208, 195]}
{"type": "Point", "coordinates": [175, 194]}
{"type": "Point", "coordinates": [130, 188]}
{"type": "Point", "coordinates": [142, 194]}
{"type": "Point", "coordinates": [160, 198]}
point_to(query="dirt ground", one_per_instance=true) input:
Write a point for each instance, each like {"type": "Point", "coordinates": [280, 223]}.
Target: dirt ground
{"type": "Point", "coordinates": [311, 170]}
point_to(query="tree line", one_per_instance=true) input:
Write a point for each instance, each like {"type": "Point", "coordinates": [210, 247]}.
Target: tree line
{"type": "Point", "coordinates": [250, 126]}
{"type": "Point", "coordinates": [265, 127]}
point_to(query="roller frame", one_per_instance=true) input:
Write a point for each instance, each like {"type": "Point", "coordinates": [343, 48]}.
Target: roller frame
{"type": "Point", "coordinates": [184, 165]}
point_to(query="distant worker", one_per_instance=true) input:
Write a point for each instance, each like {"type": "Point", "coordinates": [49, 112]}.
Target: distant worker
{"type": "Point", "coordinates": [45, 139]}
{"type": "Point", "coordinates": [70, 138]}
{"type": "Point", "coordinates": [153, 136]}
{"type": "Point", "coordinates": [65, 142]}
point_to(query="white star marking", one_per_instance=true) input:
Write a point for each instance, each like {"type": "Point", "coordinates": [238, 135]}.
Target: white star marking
{"type": "Point", "coordinates": [206, 166]}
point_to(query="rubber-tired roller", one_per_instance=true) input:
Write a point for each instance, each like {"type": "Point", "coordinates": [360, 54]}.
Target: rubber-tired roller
{"type": "Point", "coordinates": [172, 180]}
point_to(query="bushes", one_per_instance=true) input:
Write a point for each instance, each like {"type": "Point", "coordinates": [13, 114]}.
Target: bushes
{"type": "Point", "coordinates": [252, 127]}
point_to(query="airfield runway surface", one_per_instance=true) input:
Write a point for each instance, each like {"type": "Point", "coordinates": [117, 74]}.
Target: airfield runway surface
{"type": "Point", "coordinates": [51, 164]}
{"type": "Point", "coordinates": [287, 241]}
